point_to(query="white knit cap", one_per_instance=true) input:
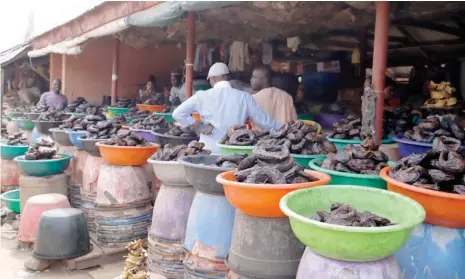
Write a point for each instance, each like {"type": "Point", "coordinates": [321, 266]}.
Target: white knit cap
{"type": "Point", "coordinates": [218, 69]}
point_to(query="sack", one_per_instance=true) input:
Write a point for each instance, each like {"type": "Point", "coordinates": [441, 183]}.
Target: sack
{"type": "Point", "coordinates": [91, 173]}
{"type": "Point", "coordinates": [68, 150]}
{"type": "Point", "coordinates": [10, 173]}
{"type": "Point", "coordinates": [78, 162]}
{"type": "Point", "coordinates": [118, 185]}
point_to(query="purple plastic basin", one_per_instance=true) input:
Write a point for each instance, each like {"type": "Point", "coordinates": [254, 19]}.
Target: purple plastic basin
{"type": "Point", "coordinates": [407, 147]}
{"type": "Point", "coordinates": [326, 120]}
{"type": "Point", "coordinates": [146, 134]}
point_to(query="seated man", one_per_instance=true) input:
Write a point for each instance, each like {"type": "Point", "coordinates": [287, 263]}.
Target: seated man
{"type": "Point", "coordinates": [54, 99]}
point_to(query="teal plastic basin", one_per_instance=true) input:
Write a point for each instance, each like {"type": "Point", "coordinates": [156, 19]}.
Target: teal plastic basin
{"type": "Point", "coordinates": [231, 149]}
{"type": "Point", "coordinates": [347, 178]}
{"type": "Point", "coordinates": [117, 111]}
{"type": "Point", "coordinates": [306, 116]}
{"type": "Point", "coordinates": [168, 116]}
{"type": "Point", "coordinates": [44, 167]}
{"type": "Point", "coordinates": [9, 152]}
{"type": "Point", "coordinates": [340, 143]}
{"type": "Point", "coordinates": [303, 160]}
{"type": "Point", "coordinates": [11, 200]}
{"type": "Point", "coordinates": [352, 244]}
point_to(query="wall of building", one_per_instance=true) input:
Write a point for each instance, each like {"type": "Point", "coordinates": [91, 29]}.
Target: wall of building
{"type": "Point", "coordinates": [89, 74]}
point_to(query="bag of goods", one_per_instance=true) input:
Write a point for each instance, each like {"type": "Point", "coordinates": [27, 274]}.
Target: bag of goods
{"type": "Point", "coordinates": [122, 185]}
{"type": "Point", "coordinates": [10, 173]}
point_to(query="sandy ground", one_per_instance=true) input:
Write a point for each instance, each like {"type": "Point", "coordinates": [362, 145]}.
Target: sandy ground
{"type": "Point", "coordinates": [12, 263]}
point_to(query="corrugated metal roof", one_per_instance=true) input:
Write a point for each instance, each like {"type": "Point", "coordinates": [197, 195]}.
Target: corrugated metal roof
{"type": "Point", "coordinates": [11, 54]}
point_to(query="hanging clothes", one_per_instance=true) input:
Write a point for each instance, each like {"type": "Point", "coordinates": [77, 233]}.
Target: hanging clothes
{"type": "Point", "coordinates": [239, 56]}
{"type": "Point", "coordinates": [267, 53]}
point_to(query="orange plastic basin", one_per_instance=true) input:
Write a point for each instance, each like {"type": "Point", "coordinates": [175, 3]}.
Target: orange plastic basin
{"type": "Point", "coordinates": [196, 116]}
{"type": "Point", "coordinates": [442, 209]}
{"type": "Point", "coordinates": [152, 108]}
{"type": "Point", "coordinates": [127, 155]}
{"type": "Point", "coordinates": [262, 200]}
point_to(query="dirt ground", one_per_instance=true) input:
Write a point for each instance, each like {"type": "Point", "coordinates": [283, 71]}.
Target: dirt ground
{"type": "Point", "coordinates": [12, 263]}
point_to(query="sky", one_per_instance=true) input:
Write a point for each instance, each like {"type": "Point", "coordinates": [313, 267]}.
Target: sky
{"type": "Point", "coordinates": [47, 14]}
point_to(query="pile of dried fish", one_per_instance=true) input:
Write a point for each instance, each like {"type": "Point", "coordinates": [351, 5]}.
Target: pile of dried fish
{"type": "Point", "coordinates": [135, 266]}
{"type": "Point", "coordinates": [127, 139]}
{"type": "Point", "coordinates": [345, 215]}
{"type": "Point", "coordinates": [52, 115]}
{"type": "Point", "coordinates": [158, 99]}
{"type": "Point", "coordinates": [436, 126]}
{"type": "Point", "coordinates": [151, 122]}
{"type": "Point", "coordinates": [303, 139]}
{"type": "Point", "coordinates": [269, 164]}
{"type": "Point", "coordinates": [173, 153]}
{"type": "Point", "coordinates": [363, 159]}
{"type": "Point", "coordinates": [4, 132]}
{"type": "Point", "coordinates": [348, 128]}
{"type": "Point", "coordinates": [140, 115]}
{"type": "Point", "coordinates": [398, 120]}
{"type": "Point", "coordinates": [440, 169]}
{"type": "Point", "coordinates": [120, 119]}
{"type": "Point", "coordinates": [240, 135]}
{"type": "Point", "coordinates": [39, 109]}
{"type": "Point", "coordinates": [17, 139]}
{"type": "Point", "coordinates": [125, 102]}
{"type": "Point", "coordinates": [43, 149]}
{"type": "Point", "coordinates": [177, 131]}
{"type": "Point", "coordinates": [79, 105]}
{"type": "Point", "coordinates": [72, 123]}
{"type": "Point", "coordinates": [133, 111]}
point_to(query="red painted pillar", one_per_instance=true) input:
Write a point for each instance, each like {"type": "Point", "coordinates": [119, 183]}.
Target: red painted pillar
{"type": "Point", "coordinates": [114, 70]}
{"type": "Point", "coordinates": [189, 83]}
{"type": "Point", "coordinates": [379, 62]}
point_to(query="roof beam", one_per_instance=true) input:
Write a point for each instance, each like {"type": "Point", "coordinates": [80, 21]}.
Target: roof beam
{"type": "Point", "coordinates": [430, 26]}
{"type": "Point", "coordinates": [430, 44]}
{"type": "Point", "coordinates": [410, 38]}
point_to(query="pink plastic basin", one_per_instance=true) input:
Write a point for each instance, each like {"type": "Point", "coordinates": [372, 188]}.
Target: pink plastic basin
{"type": "Point", "coordinates": [34, 207]}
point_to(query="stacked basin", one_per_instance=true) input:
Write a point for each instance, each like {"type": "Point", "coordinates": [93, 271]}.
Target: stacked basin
{"type": "Point", "coordinates": [263, 245]}
{"type": "Point", "coordinates": [332, 248]}
{"type": "Point", "coordinates": [211, 220]}
{"type": "Point", "coordinates": [169, 222]}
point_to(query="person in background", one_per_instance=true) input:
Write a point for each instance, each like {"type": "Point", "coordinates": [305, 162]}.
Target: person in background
{"type": "Point", "coordinates": [177, 93]}
{"type": "Point", "coordinates": [54, 98]}
{"type": "Point", "coordinates": [220, 108]}
{"type": "Point", "coordinates": [274, 101]}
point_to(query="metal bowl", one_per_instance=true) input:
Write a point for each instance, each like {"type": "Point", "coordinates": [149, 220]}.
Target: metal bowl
{"type": "Point", "coordinates": [89, 145]}
{"type": "Point", "coordinates": [163, 139]}
{"type": "Point", "coordinates": [201, 172]}
{"type": "Point", "coordinates": [61, 137]}
{"type": "Point", "coordinates": [44, 127]}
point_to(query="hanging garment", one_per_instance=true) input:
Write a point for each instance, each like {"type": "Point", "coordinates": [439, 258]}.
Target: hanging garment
{"type": "Point", "coordinates": [267, 53]}
{"type": "Point", "coordinates": [239, 56]}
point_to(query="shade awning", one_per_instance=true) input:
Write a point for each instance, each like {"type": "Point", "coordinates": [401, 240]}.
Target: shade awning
{"type": "Point", "coordinates": [72, 46]}
{"type": "Point", "coordinates": [167, 13]}
{"type": "Point", "coordinates": [13, 54]}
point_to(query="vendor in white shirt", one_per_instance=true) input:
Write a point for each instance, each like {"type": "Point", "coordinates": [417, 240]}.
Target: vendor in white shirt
{"type": "Point", "coordinates": [221, 107]}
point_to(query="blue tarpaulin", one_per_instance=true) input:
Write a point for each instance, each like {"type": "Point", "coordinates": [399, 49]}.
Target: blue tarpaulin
{"type": "Point", "coordinates": [167, 13]}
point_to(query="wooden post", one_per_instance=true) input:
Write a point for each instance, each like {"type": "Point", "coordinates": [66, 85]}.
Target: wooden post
{"type": "Point", "coordinates": [52, 69]}
{"type": "Point", "coordinates": [379, 62]}
{"type": "Point", "coordinates": [363, 46]}
{"type": "Point", "coordinates": [114, 70]}
{"type": "Point", "coordinates": [189, 84]}
{"type": "Point", "coordinates": [63, 77]}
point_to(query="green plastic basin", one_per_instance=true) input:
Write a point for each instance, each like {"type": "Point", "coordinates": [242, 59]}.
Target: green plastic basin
{"type": "Point", "coordinates": [11, 199]}
{"type": "Point", "coordinates": [352, 244]}
{"type": "Point", "coordinates": [44, 167]}
{"type": "Point", "coordinates": [303, 160]}
{"type": "Point", "coordinates": [338, 177]}
{"type": "Point", "coordinates": [168, 116]}
{"type": "Point", "coordinates": [340, 143]}
{"type": "Point", "coordinates": [9, 152]}
{"type": "Point", "coordinates": [117, 111]}
{"type": "Point", "coordinates": [305, 116]}
{"type": "Point", "coordinates": [231, 149]}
